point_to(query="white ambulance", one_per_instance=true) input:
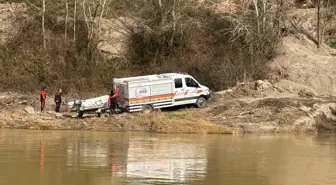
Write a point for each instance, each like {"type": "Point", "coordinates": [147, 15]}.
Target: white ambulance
{"type": "Point", "coordinates": [145, 93]}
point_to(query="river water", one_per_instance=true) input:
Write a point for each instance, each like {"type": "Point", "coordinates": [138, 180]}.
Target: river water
{"type": "Point", "coordinates": [98, 158]}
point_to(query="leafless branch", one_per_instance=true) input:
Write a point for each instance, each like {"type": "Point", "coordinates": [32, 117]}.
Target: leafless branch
{"type": "Point", "coordinates": [33, 5]}
{"type": "Point", "coordinates": [303, 31]}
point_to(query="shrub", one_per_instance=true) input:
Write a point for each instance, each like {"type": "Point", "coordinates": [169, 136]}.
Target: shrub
{"type": "Point", "coordinates": [333, 44]}
{"type": "Point", "coordinates": [219, 49]}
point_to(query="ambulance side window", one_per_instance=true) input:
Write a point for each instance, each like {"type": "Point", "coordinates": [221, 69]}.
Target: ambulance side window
{"type": "Point", "coordinates": [191, 83]}
{"type": "Point", "coordinates": [178, 83]}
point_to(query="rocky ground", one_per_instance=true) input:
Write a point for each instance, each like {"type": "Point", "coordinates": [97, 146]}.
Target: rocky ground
{"type": "Point", "coordinates": [258, 107]}
{"type": "Point", "coordinates": [271, 109]}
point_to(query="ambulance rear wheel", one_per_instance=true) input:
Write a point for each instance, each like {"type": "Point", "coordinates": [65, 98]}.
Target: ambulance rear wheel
{"type": "Point", "coordinates": [147, 109]}
{"type": "Point", "coordinates": [201, 102]}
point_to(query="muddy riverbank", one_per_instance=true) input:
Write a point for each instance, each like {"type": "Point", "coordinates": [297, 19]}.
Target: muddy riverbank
{"type": "Point", "coordinates": [245, 108]}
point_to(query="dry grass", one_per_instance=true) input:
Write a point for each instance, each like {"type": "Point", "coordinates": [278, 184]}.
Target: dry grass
{"type": "Point", "coordinates": [181, 122]}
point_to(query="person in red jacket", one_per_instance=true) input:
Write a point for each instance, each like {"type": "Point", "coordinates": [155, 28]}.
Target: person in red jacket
{"type": "Point", "coordinates": [43, 97]}
{"type": "Point", "coordinates": [113, 99]}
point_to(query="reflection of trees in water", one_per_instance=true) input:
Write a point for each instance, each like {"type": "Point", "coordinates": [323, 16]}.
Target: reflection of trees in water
{"type": "Point", "coordinates": [90, 158]}
{"type": "Point", "coordinates": [101, 153]}
{"type": "Point", "coordinates": [40, 159]}
{"type": "Point", "coordinates": [157, 158]}
{"type": "Point", "coordinates": [167, 159]}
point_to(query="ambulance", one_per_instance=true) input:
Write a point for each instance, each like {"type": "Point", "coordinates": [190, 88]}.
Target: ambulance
{"type": "Point", "coordinates": [146, 93]}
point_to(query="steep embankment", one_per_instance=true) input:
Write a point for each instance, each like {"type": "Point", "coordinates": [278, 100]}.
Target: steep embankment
{"type": "Point", "coordinates": [299, 64]}
{"type": "Point", "coordinates": [304, 67]}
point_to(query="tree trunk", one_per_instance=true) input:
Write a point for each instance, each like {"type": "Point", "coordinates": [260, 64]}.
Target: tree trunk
{"type": "Point", "coordinates": [85, 17]}
{"type": "Point", "coordinates": [174, 23]}
{"type": "Point", "coordinates": [255, 2]}
{"type": "Point", "coordinates": [326, 17]}
{"type": "Point", "coordinates": [303, 31]}
{"type": "Point", "coordinates": [74, 26]}
{"type": "Point", "coordinates": [264, 15]}
{"type": "Point", "coordinates": [87, 21]}
{"type": "Point", "coordinates": [43, 28]}
{"type": "Point", "coordinates": [101, 16]}
{"type": "Point", "coordinates": [66, 18]}
{"type": "Point", "coordinates": [318, 23]}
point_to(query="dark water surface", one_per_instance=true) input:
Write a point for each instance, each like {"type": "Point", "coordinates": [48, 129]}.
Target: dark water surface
{"type": "Point", "coordinates": [98, 158]}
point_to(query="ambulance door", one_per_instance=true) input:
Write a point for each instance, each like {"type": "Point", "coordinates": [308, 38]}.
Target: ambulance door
{"type": "Point", "coordinates": [179, 91]}
{"type": "Point", "coordinates": [190, 94]}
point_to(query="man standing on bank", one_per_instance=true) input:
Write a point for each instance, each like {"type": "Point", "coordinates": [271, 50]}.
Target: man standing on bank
{"type": "Point", "coordinates": [43, 97]}
{"type": "Point", "coordinates": [113, 99]}
{"type": "Point", "coordinates": [58, 99]}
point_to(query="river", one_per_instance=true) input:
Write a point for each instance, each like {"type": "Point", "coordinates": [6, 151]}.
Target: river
{"type": "Point", "coordinates": [99, 158]}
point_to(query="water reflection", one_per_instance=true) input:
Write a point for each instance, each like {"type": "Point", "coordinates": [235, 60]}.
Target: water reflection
{"type": "Point", "coordinates": [41, 155]}
{"type": "Point", "coordinates": [166, 159]}
{"type": "Point", "coordinates": [95, 158]}
{"type": "Point", "coordinates": [152, 159]}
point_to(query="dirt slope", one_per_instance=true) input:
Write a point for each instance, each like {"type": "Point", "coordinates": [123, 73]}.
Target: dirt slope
{"type": "Point", "coordinates": [245, 109]}
{"type": "Point", "coordinates": [310, 69]}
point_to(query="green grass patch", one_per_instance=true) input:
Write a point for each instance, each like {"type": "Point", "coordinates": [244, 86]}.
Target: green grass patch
{"type": "Point", "coordinates": [173, 115]}
{"type": "Point", "coordinates": [333, 44]}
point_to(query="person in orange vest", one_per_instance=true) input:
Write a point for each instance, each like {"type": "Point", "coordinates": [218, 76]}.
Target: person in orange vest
{"type": "Point", "coordinates": [113, 99]}
{"type": "Point", "coordinates": [58, 100]}
{"type": "Point", "coordinates": [43, 97]}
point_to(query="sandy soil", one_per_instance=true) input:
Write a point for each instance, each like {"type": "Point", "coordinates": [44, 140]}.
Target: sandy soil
{"type": "Point", "coordinates": [302, 66]}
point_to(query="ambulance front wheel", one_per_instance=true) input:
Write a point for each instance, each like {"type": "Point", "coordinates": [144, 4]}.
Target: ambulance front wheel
{"type": "Point", "coordinates": [201, 102]}
{"type": "Point", "coordinates": [147, 109]}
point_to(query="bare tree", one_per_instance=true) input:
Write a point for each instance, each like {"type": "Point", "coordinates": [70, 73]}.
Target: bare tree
{"type": "Point", "coordinates": [319, 4]}
{"type": "Point", "coordinates": [43, 27]}
{"type": "Point", "coordinates": [91, 11]}
{"type": "Point", "coordinates": [33, 5]}
{"type": "Point", "coordinates": [74, 24]}
{"type": "Point", "coordinates": [174, 22]}
{"type": "Point", "coordinates": [327, 16]}
{"type": "Point", "coordinates": [255, 3]}
{"type": "Point", "coordinates": [101, 15]}
{"type": "Point", "coordinates": [264, 15]}
{"type": "Point", "coordinates": [66, 17]}
{"type": "Point", "coordinates": [303, 31]}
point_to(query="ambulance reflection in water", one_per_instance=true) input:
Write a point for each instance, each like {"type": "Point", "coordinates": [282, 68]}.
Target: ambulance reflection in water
{"type": "Point", "coordinates": [93, 154]}
{"type": "Point", "coordinates": [148, 159]}
{"type": "Point", "coordinates": [167, 160]}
